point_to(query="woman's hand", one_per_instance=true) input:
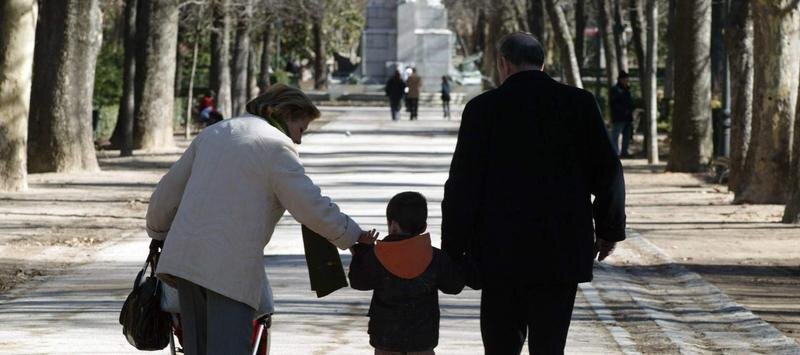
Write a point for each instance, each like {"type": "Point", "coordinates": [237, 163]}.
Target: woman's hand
{"type": "Point", "coordinates": [368, 237]}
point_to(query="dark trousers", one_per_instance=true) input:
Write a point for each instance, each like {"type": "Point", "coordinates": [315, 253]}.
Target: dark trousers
{"type": "Point", "coordinates": [213, 323]}
{"type": "Point", "coordinates": [413, 105]}
{"type": "Point", "coordinates": [625, 129]}
{"type": "Point", "coordinates": [394, 105]}
{"type": "Point", "coordinates": [540, 312]}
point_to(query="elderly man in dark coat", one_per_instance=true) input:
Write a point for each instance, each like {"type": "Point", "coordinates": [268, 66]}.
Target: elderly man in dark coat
{"type": "Point", "coordinates": [518, 209]}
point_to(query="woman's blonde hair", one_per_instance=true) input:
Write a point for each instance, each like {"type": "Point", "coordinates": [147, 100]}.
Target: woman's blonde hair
{"type": "Point", "coordinates": [283, 102]}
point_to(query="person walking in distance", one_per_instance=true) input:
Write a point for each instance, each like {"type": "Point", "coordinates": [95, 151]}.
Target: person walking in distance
{"type": "Point", "coordinates": [206, 106]}
{"type": "Point", "coordinates": [406, 73]}
{"type": "Point", "coordinates": [621, 114]}
{"type": "Point", "coordinates": [414, 84]}
{"type": "Point", "coordinates": [395, 89]}
{"type": "Point", "coordinates": [517, 209]}
{"type": "Point", "coordinates": [446, 96]}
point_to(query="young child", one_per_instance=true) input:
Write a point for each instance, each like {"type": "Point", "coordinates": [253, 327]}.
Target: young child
{"type": "Point", "coordinates": [406, 273]}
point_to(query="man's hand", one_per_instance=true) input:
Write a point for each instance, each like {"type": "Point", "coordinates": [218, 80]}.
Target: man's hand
{"type": "Point", "coordinates": [603, 248]}
{"type": "Point", "coordinates": [368, 237]}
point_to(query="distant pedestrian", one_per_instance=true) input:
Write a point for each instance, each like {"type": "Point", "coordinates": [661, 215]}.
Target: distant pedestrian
{"type": "Point", "coordinates": [518, 209]}
{"type": "Point", "coordinates": [446, 96]}
{"type": "Point", "coordinates": [406, 274]}
{"type": "Point", "coordinates": [395, 89]}
{"type": "Point", "coordinates": [621, 115]}
{"type": "Point", "coordinates": [206, 106]}
{"type": "Point", "coordinates": [414, 84]}
{"type": "Point", "coordinates": [406, 73]}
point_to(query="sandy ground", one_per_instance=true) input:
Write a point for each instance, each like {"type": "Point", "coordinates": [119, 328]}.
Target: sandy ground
{"type": "Point", "coordinates": [63, 218]}
{"type": "Point", "coordinates": [742, 249]}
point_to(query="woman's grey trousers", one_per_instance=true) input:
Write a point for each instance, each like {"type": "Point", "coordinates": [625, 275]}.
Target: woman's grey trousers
{"type": "Point", "coordinates": [212, 323]}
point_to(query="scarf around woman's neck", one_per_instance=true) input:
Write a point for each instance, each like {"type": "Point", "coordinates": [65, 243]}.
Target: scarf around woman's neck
{"type": "Point", "coordinates": [257, 107]}
{"type": "Point", "coordinates": [278, 123]}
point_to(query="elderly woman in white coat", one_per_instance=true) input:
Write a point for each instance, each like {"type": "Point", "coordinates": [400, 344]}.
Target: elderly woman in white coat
{"type": "Point", "coordinates": [217, 208]}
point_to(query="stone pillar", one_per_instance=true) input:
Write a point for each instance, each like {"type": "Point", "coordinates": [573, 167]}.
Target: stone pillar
{"type": "Point", "coordinates": [379, 46]}
{"type": "Point", "coordinates": [401, 33]}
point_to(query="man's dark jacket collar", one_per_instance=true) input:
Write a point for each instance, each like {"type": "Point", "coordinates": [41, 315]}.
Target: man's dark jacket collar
{"type": "Point", "coordinates": [526, 75]}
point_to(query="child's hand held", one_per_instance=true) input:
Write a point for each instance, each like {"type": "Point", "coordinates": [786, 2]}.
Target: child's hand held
{"type": "Point", "coordinates": [368, 237]}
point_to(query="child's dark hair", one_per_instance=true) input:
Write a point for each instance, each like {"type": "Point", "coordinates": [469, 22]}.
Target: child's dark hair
{"type": "Point", "coordinates": [410, 210]}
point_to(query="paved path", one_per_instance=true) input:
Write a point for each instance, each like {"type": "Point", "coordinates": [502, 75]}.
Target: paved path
{"type": "Point", "coordinates": [640, 301]}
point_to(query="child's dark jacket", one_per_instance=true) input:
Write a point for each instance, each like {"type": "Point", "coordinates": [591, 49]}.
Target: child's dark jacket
{"type": "Point", "coordinates": [406, 274]}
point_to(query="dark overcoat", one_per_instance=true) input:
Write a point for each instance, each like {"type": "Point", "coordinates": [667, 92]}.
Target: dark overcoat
{"type": "Point", "coordinates": [621, 104]}
{"type": "Point", "coordinates": [530, 157]}
{"type": "Point", "coordinates": [395, 89]}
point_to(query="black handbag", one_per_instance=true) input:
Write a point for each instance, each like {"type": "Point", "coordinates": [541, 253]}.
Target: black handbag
{"type": "Point", "coordinates": [144, 325]}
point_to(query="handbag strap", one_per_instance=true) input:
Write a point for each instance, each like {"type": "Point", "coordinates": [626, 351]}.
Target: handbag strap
{"type": "Point", "coordinates": [155, 252]}
{"type": "Point", "coordinates": [151, 262]}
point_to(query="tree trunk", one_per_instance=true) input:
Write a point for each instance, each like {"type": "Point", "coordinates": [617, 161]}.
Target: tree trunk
{"type": "Point", "coordinates": [669, 62]}
{"type": "Point", "coordinates": [220, 75]}
{"type": "Point", "coordinates": [122, 137]}
{"type": "Point", "coordinates": [521, 16]}
{"type": "Point", "coordinates": [619, 38]}
{"type": "Point", "coordinates": [178, 64]}
{"type": "Point", "coordinates": [127, 104]}
{"type": "Point", "coordinates": [717, 49]}
{"type": "Point", "coordinates": [580, 28]}
{"type": "Point", "coordinates": [636, 15]}
{"type": "Point", "coordinates": [691, 148]}
{"type": "Point", "coordinates": [263, 75]}
{"type": "Point", "coordinates": [549, 46]}
{"type": "Point", "coordinates": [252, 84]}
{"type": "Point", "coordinates": [241, 53]}
{"type": "Point", "coordinates": [536, 21]}
{"type": "Point", "coordinates": [649, 84]}
{"type": "Point", "coordinates": [501, 22]}
{"type": "Point", "coordinates": [776, 47]}
{"type": "Point", "coordinates": [572, 73]}
{"type": "Point", "coordinates": [320, 75]}
{"type": "Point", "coordinates": [597, 61]}
{"type": "Point", "coordinates": [142, 23]}
{"type": "Point", "coordinates": [17, 34]}
{"type": "Point", "coordinates": [791, 214]}
{"type": "Point", "coordinates": [68, 39]}
{"type": "Point", "coordinates": [479, 35]}
{"type": "Point", "coordinates": [607, 35]}
{"type": "Point", "coordinates": [155, 62]}
{"type": "Point", "coordinates": [190, 94]}
{"type": "Point", "coordinates": [489, 60]}
{"type": "Point", "coordinates": [739, 41]}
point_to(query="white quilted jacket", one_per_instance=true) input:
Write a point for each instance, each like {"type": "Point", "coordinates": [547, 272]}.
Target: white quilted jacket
{"type": "Point", "coordinates": [219, 203]}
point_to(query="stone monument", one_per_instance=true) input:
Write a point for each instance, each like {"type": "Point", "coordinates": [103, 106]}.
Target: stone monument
{"type": "Point", "coordinates": [406, 33]}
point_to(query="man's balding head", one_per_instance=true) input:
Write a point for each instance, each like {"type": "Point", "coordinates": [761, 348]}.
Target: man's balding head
{"type": "Point", "coordinates": [521, 49]}
{"type": "Point", "coordinates": [518, 51]}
